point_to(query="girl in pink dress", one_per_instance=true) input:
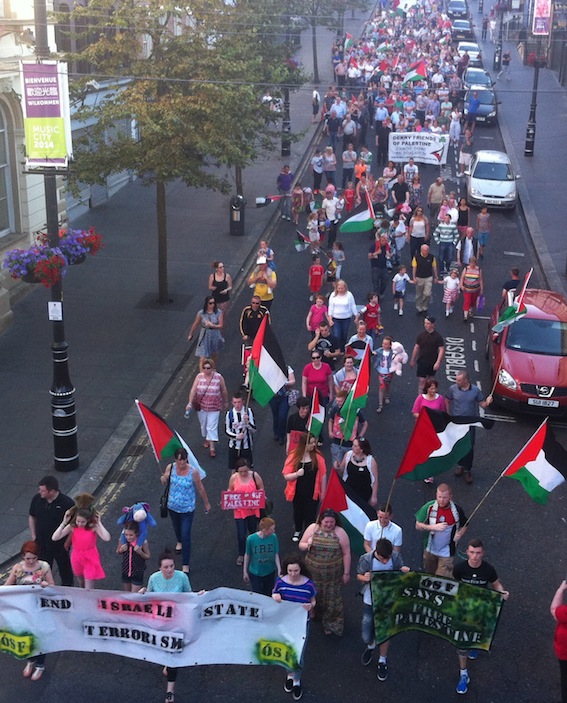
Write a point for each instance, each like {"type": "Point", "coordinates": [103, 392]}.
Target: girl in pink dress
{"type": "Point", "coordinates": [84, 528]}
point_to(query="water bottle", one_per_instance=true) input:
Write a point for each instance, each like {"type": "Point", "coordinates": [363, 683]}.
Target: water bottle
{"type": "Point", "coordinates": [187, 412]}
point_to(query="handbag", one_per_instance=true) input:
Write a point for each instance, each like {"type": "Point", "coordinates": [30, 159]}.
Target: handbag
{"type": "Point", "coordinates": [292, 396]}
{"type": "Point", "coordinates": [480, 303]}
{"type": "Point", "coordinates": [163, 510]}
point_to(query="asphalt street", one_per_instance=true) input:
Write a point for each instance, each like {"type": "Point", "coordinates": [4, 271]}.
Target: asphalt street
{"type": "Point", "coordinates": [521, 667]}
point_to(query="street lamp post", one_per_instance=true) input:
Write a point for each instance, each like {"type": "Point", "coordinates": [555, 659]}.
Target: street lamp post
{"type": "Point", "coordinates": [531, 128]}
{"type": "Point", "coordinates": [63, 416]}
{"type": "Point", "coordinates": [286, 125]}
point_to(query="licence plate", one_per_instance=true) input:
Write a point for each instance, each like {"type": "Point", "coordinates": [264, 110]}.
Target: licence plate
{"type": "Point", "coordinates": [481, 119]}
{"type": "Point", "coordinates": [542, 403]}
{"type": "Point", "coordinates": [491, 201]}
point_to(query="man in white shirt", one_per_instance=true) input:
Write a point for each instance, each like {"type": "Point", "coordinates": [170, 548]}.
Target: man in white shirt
{"type": "Point", "coordinates": [383, 528]}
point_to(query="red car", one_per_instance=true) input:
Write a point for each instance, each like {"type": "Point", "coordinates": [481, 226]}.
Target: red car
{"type": "Point", "coordinates": [530, 356]}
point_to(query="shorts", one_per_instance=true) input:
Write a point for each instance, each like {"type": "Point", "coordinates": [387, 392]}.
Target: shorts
{"type": "Point", "coordinates": [136, 580]}
{"type": "Point", "coordinates": [399, 294]}
{"type": "Point", "coordinates": [464, 159]}
{"type": "Point", "coordinates": [425, 370]}
{"type": "Point", "coordinates": [482, 238]}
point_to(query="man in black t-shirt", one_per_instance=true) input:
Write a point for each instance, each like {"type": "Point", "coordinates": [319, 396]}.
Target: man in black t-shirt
{"type": "Point", "coordinates": [428, 352]}
{"type": "Point", "coordinates": [400, 191]}
{"type": "Point", "coordinates": [297, 423]}
{"type": "Point", "coordinates": [46, 513]}
{"type": "Point", "coordinates": [325, 343]}
{"type": "Point", "coordinates": [476, 572]}
{"type": "Point", "coordinates": [512, 283]}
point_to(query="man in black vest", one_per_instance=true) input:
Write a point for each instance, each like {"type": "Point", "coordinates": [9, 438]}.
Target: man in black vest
{"type": "Point", "coordinates": [424, 269]}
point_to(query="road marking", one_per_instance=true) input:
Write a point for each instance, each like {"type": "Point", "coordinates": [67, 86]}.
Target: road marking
{"type": "Point", "coordinates": [482, 317]}
{"type": "Point", "coordinates": [473, 344]}
{"type": "Point", "coordinates": [489, 138]}
{"type": "Point", "coordinates": [514, 253]}
{"type": "Point", "coordinates": [476, 368]}
{"type": "Point", "coordinates": [500, 418]}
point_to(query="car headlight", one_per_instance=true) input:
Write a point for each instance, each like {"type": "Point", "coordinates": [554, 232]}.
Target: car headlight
{"type": "Point", "coordinates": [506, 380]}
{"type": "Point", "coordinates": [492, 114]}
{"type": "Point", "coordinates": [475, 191]}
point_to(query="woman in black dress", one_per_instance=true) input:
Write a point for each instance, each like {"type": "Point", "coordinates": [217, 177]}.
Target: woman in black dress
{"type": "Point", "coordinates": [220, 285]}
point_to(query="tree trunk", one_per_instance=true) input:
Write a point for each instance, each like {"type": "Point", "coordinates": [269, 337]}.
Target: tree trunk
{"type": "Point", "coordinates": [163, 293]}
{"type": "Point", "coordinates": [238, 180]}
{"type": "Point", "coordinates": [314, 42]}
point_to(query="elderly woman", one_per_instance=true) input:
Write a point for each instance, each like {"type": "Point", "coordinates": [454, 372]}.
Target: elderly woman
{"type": "Point", "coordinates": [208, 396]}
{"type": "Point", "coordinates": [31, 571]}
{"type": "Point", "coordinates": [328, 559]}
{"type": "Point", "coordinates": [306, 475]}
{"type": "Point", "coordinates": [183, 482]}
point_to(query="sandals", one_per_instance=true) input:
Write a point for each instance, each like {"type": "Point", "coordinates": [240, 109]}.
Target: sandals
{"type": "Point", "coordinates": [212, 453]}
{"type": "Point", "coordinates": [178, 549]}
{"type": "Point", "coordinates": [27, 672]}
{"type": "Point", "coordinates": [206, 444]}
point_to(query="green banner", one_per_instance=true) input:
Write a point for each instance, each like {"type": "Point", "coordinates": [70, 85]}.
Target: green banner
{"type": "Point", "coordinates": [464, 615]}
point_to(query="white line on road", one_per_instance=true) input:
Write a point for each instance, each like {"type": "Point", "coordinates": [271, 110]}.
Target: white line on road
{"type": "Point", "coordinates": [514, 253]}
{"type": "Point", "coordinates": [476, 368]}
{"type": "Point", "coordinates": [473, 344]}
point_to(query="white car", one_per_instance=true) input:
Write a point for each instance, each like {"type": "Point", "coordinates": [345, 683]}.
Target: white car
{"type": "Point", "coordinates": [472, 49]}
{"type": "Point", "coordinates": [491, 180]}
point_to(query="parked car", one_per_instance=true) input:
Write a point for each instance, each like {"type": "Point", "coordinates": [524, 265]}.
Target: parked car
{"type": "Point", "coordinates": [473, 50]}
{"type": "Point", "coordinates": [528, 359]}
{"type": "Point", "coordinates": [491, 180]}
{"type": "Point", "coordinates": [488, 110]}
{"type": "Point", "coordinates": [457, 10]}
{"type": "Point", "coordinates": [461, 30]}
{"type": "Point", "coordinates": [476, 78]}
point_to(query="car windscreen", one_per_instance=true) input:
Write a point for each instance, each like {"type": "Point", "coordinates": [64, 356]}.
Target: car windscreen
{"type": "Point", "coordinates": [548, 337]}
{"type": "Point", "coordinates": [492, 172]}
{"type": "Point", "coordinates": [477, 78]}
{"type": "Point", "coordinates": [485, 97]}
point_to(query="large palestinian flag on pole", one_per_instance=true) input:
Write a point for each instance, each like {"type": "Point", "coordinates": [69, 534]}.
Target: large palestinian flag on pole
{"type": "Point", "coordinates": [268, 370]}
{"type": "Point", "coordinates": [357, 396]}
{"type": "Point", "coordinates": [317, 416]}
{"type": "Point", "coordinates": [437, 443]}
{"type": "Point", "coordinates": [164, 439]}
{"type": "Point", "coordinates": [362, 221]}
{"type": "Point", "coordinates": [354, 512]}
{"type": "Point", "coordinates": [540, 466]}
{"type": "Point", "coordinates": [515, 311]}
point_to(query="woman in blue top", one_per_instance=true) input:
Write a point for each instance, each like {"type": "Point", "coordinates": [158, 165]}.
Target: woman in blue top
{"type": "Point", "coordinates": [183, 480]}
{"type": "Point", "coordinates": [168, 580]}
{"type": "Point", "coordinates": [296, 586]}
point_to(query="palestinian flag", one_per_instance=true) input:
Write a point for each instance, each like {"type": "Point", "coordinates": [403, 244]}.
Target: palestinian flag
{"type": "Point", "coordinates": [301, 243]}
{"type": "Point", "coordinates": [384, 46]}
{"type": "Point", "coordinates": [437, 443]}
{"type": "Point", "coordinates": [354, 512]}
{"type": "Point", "coordinates": [317, 416]}
{"type": "Point", "coordinates": [357, 396]}
{"type": "Point", "coordinates": [164, 439]}
{"type": "Point", "coordinates": [540, 466]}
{"type": "Point", "coordinates": [268, 370]}
{"type": "Point", "coordinates": [515, 311]}
{"type": "Point", "coordinates": [349, 42]}
{"type": "Point", "coordinates": [417, 72]}
{"type": "Point", "coordinates": [267, 199]}
{"type": "Point", "coordinates": [356, 350]}
{"type": "Point", "coordinates": [361, 222]}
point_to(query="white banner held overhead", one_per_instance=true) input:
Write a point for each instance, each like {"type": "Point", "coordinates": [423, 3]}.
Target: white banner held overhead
{"type": "Point", "coordinates": [223, 626]}
{"type": "Point", "coordinates": [423, 147]}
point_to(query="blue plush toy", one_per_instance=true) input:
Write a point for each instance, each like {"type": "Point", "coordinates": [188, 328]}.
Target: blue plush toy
{"type": "Point", "coordinates": [140, 513]}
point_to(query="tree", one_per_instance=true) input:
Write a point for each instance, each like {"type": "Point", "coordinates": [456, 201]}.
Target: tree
{"type": "Point", "coordinates": [171, 74]}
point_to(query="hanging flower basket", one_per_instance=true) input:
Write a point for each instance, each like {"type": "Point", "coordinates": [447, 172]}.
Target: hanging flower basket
{"type": "Point", "coordinates": [44, 264]}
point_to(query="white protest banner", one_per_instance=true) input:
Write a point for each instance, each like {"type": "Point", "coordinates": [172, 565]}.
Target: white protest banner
{"type": "Point", "coordinates": [234, 500]}
{"type": "Point", "coordinates": [424, 147]}
{"type": "Point", "coordinates": [223, 626]}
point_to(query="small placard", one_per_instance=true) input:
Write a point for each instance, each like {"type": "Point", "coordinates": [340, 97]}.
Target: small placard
{"type": "Point", "coordinates": [233, 500]}
{"type": "Point", "coordinates": [55, 310]}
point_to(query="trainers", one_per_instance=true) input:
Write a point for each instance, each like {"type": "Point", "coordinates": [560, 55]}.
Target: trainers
{"type": "Point", "coordinates": [382, 673]}
{"type": "Point", "coordinates": [400, 311]}
{"type": "Point", "coordinates": [297, 692]}
{"type": "Point", "coordinates": [366, 657]}
{"type": "Point", "coordinates": [472, 653]}
{"type": "Point", "coordinates": [395, 306]}
{"type": "Point", "coordinates": [295, 537]}
{"type": "Point", "coordinates": [463, 685]}
{"type": "Point", "coordinates": [288, 685]}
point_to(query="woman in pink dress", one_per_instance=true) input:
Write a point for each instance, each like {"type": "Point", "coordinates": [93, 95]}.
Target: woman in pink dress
{"type": "Point", "coordinates": [84, 528]}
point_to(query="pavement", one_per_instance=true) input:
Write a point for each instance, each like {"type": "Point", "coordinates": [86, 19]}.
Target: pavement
{"type": "Point", "coordinates": [122, 345]}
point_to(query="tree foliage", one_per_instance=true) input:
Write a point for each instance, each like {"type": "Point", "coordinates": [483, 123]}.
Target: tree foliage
{"type": "Point", "coordinates": [183, 92]}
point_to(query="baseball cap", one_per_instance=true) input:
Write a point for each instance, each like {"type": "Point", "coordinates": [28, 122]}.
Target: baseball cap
{"type": "Point", "coordinates": [430, 318]}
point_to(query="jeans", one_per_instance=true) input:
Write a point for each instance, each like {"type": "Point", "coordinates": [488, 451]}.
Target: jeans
{"type": "Point", "coordinates": [348, 176]}
{"type": "Point", "coordinates": [244, 526]}
{"type": "Point", "coordinates": [467, 461]}
{"type": "Point", "coordinates": [380, 280]}
{"type": "Point", "coordinates": [446, 255]}
{"type": "Point", "coordinates": [285, 203]}
{"type": "Point", "coordinates": [182, 524]}
{"type": "Point", "coordinates": [340, 329]}
{"type": "Point", "coordinates": [280, 406]}
{"type": "Point", "coordinates": [367, 624]}
{"type": "Point", "coordinates": [339, 450]}
{"type": "Point", "coordinates": [263, 584]}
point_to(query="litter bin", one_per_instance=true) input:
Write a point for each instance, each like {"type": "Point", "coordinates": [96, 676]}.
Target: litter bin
{"type": "Point", "coordinates": [497, 59]}
{"type": "Point", "coordinates": [237, 208]}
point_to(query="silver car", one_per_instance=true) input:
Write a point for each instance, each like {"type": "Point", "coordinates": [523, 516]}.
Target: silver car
{"type": "Point", "coordinates": [491, 180]}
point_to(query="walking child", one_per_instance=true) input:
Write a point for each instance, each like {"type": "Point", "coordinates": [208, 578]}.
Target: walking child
{"type": "Point", "coordinates": [450, 290]}
{"type": "Point", "coordinates": [316, 273]}
{"type": "Point", "coordinates": [134, 557]}
{"type": "Point", "coordinates": [349, 195]}
{"type": "Point", "coordinates": [317, 313]}
{"type": "Point", "coordinates": [370, 313]}
{"type": "Point", "coordinates": [296, 202]}
{"type": "Point", "coordinates": [399, 283]}
{"type": "Point", "coordinates": [313, 232]}
{"type": "Point", "coordinates": [338, 256]}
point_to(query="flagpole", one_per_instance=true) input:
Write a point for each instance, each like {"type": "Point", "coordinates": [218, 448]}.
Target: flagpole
{"type": "Point", "coordinates": [390, 493]}
{"type": "Point", "coordinates": [499, 477]}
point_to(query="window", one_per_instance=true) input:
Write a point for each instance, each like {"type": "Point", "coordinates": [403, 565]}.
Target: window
{"type": "Point", "coordinates": [6, 205]}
